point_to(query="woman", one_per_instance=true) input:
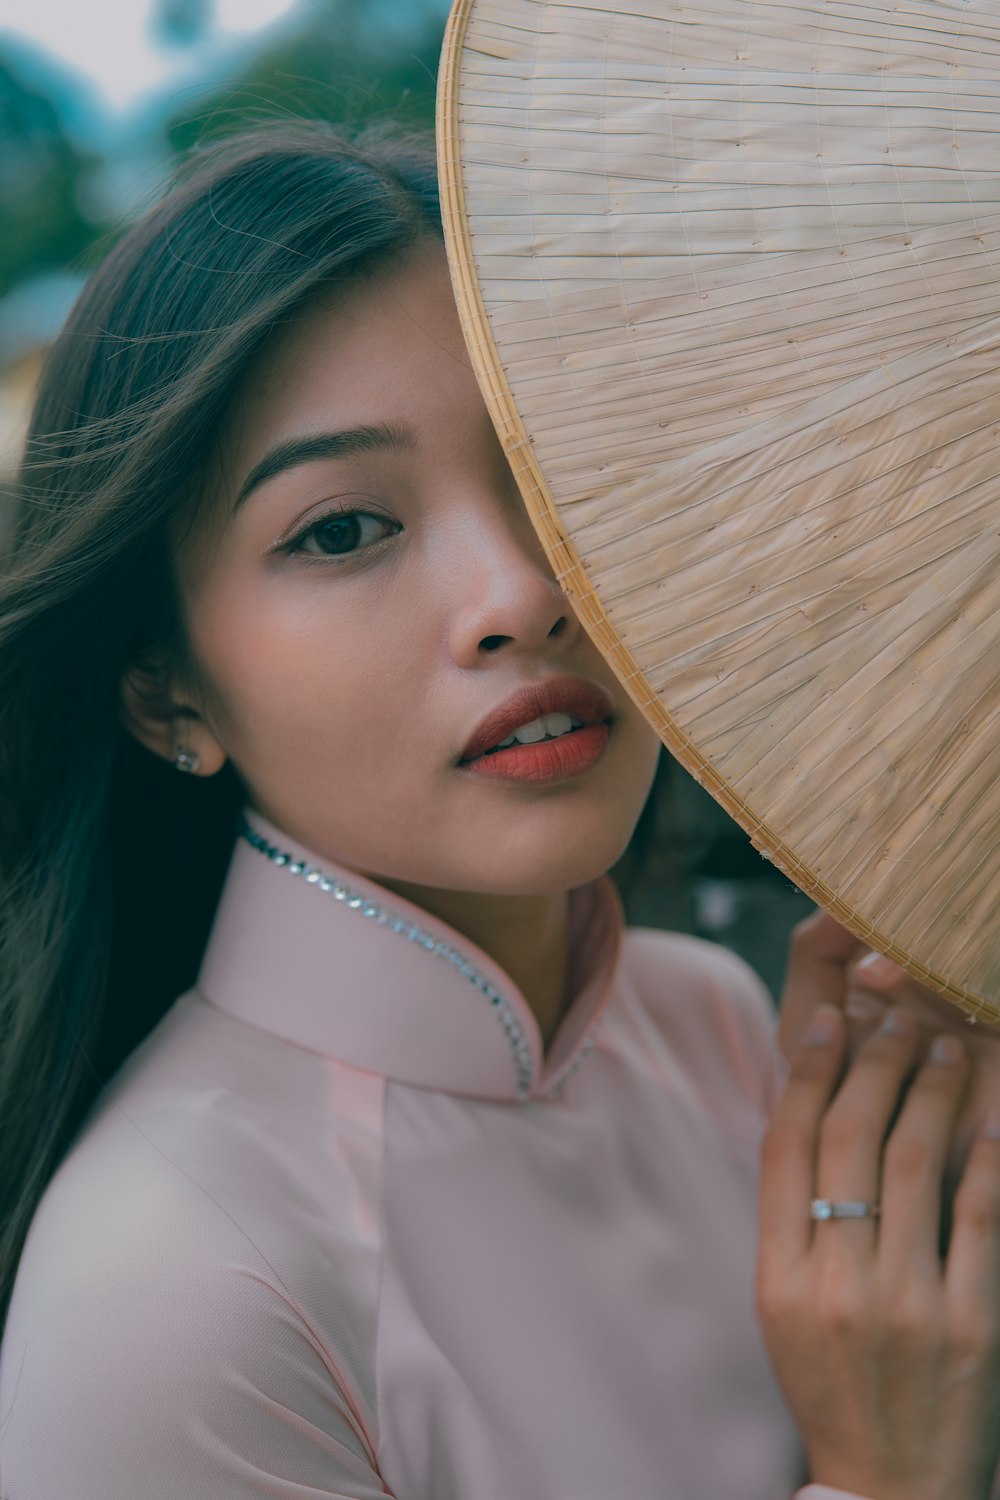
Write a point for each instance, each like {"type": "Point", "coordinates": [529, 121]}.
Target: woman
{"type": "Point", "coordinates": [379, 1160]}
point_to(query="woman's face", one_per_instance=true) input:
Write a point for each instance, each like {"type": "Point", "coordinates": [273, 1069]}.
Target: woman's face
{"type": "Point", "coordinates": [358, 606]}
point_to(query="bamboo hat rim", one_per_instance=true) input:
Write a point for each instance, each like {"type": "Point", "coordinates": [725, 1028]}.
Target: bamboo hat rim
{"type": "Point", "coordinates": [492, 367]}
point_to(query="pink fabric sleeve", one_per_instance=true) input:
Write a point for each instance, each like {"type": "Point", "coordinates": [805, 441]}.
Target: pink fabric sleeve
{"type": "Point", "coordinates": [824, 1492]}
{"type": "Point", "coordinates": [144, 1368]}
{"type": "Point", "coordinates": [746, 1018]}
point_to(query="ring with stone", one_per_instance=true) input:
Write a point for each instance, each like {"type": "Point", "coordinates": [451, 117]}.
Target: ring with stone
{"type": "Point", "coordinates": [829, 1208]}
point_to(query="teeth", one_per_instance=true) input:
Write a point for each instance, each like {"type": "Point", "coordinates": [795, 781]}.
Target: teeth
{"type": "Point", "coordinates": [558, 723]}
{"type": "Point", "coordinates": [530, 734]}
{"type": "Point", "coordinates": [549, 726]}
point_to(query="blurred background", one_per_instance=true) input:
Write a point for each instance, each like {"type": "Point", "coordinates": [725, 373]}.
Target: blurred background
{"type": "Point", "coordinates": [95, 100]}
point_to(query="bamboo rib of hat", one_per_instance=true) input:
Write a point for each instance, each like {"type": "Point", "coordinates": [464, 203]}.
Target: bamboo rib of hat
{"type": "Point", "coordinates": [729, 272]}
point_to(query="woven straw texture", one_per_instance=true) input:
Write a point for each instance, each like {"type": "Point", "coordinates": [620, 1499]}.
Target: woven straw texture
{"type": "Point", "coordinates": [730, 276]}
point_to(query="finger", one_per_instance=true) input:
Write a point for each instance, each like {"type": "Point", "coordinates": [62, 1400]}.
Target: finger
{"type": "Point", "coordinates": [863, 1012]}
{"type": "Point", "coordinates": [972, 1268]}
{"type": "Point", "coordinates": [818, 954]}
{"type": "Point", "coordinates": [788, 1163]}
{"type": "Point", "coordinates": [875, 972]}
{"type": "Point", "coordinates": [854, 1131]}
{"type": "Point", "coordinates": [913, 1166]}
{"type": "Point", "coordinates": [879, 982]}
{"type": "Point", "coordinates": [864, 1008]}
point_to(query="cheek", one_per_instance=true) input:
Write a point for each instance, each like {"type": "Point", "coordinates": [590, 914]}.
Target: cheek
{"type": "Point", "coordinates": [294, 671]}
{"type": "Point", "coordinates": [647, 757]}
{"type": "Point", "coordinates": [644, 745]}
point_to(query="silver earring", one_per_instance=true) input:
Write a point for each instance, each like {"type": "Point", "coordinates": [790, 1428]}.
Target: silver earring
{"type": "Point", "coordinates": [187, 760]}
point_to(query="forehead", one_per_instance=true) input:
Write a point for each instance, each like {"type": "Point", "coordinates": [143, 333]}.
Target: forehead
{"type": "Point", "coordinates": [391, 338]}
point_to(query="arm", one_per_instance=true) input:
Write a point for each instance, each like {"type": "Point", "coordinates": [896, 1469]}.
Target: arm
{"type": "Point", "coordinates": [135, 1373]}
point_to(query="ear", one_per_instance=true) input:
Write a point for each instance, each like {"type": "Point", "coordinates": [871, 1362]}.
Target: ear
{"type": "Point", "coordinates": [156, 710]}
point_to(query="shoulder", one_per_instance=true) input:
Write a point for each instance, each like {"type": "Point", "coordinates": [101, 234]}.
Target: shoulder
{"type": "Point", "coordinates": [160, 1326]}
{"type": "Point", "coordinates": [676, 969]}
{"type": "Point", "coordinates": [713, 1009]}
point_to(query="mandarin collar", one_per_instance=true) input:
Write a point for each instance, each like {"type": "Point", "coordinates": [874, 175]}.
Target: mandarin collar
{"type": "Point", "coordinates": [328, 959]}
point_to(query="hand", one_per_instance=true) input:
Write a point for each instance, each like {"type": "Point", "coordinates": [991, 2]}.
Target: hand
{"type": "Point", "coordinates": [889, 1355]}
{"type": "Point", "coordinates": [827, 965]}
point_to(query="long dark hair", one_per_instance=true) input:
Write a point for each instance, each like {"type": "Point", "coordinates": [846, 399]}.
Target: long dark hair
{"type": "Point", "coordinates": [111, 862]}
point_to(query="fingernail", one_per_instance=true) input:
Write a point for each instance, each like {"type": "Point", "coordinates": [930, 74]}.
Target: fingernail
{"type": "Point", "coordinates": [895, 1023]}
{"type": "Point", "coordinates": [945, 1051]}
{"type": "Point", "coordinates": [824, 1025]}
{"type": "Point", "coordinates": [863, 1007]}
{"type": "Point", "coordinates": [879, 969]}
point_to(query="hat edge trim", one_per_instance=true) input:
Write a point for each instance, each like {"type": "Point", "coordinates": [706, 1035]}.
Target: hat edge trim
{"type": "Point", "coordinates": [568, 566]}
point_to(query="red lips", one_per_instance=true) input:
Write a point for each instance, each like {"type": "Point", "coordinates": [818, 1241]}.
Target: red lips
{"type": "Point", "coordinates": [555, 695]}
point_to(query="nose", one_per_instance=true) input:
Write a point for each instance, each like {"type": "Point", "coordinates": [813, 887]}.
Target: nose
{"type": "Point", "coordinates": [509, 599]}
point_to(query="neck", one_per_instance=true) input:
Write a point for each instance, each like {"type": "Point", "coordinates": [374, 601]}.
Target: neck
{"type": "Point", "coordinates": [528, 936]}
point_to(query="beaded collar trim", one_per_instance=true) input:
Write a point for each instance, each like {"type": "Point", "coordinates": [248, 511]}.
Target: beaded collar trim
{"type": "Point", "coordinates": [385, 917]}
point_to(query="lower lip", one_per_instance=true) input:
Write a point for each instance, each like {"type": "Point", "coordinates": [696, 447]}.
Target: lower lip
{"type": "Point", "coordinates": [548, 760]}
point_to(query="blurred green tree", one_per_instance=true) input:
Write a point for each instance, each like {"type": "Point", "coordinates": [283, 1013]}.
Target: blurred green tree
{"type": "Point", "coordinates": [40, 176]}
{"type": "Point", "coordinates": [348, 64]}
{"type": "Point", "coordinates": [180, 23]}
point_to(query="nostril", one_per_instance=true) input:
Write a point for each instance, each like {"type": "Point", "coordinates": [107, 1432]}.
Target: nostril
{"type": "Point", "coordinates": [558, 627]}
{"type": "Point", "coordinates": [492, 642]}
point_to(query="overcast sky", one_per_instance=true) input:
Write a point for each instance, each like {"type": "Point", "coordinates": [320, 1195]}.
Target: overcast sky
{"type": "Point", "coordinates": [110, 43]}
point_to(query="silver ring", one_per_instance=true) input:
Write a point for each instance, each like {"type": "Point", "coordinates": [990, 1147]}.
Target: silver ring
{"type": "Point", "coordinates": [827, 1208]}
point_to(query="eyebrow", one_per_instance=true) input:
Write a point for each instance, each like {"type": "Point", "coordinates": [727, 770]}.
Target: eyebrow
{"type": "Point", "coordinates": [319, 445]}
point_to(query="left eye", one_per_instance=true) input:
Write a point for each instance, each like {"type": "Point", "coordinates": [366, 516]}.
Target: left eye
{"type": "Point", "coordinates": [344, 532]}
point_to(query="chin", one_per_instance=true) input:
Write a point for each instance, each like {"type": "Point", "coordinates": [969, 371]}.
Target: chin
{"type": "Point", "coordinates": [545, 871]}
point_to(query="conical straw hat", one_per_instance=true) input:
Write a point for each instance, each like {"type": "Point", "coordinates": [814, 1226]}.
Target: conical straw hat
{"type": "Point", "coordinates": [729, 272]}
